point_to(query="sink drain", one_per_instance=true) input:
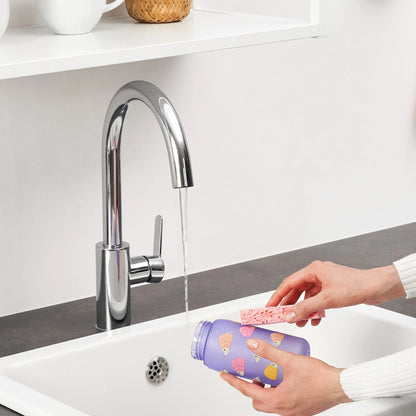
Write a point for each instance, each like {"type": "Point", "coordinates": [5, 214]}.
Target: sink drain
{"type": "Point", "coordinates": [157, 370]}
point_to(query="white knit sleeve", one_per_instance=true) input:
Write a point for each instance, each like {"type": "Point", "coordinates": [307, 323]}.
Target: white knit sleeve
{"type": "Point", "coordinates": [393, 375]}
{"type": "Point", "coordinates": [406, 267]}
{"type": "Point", "coordinates": [390, 376]}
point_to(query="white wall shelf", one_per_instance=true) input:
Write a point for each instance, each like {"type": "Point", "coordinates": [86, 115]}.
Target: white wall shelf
{"type": "Point", "coordinates": [27, 51]}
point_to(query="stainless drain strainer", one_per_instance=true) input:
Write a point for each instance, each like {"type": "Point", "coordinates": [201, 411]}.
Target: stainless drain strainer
{"type": "Point", "coordinates": [157, 370]}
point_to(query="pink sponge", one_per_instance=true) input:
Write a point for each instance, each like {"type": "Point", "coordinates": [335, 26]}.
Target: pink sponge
{"type": "Point", "coordinates": [271, 315]}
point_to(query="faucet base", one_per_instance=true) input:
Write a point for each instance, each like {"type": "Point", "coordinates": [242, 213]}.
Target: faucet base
{"type": "Point", "coordinates": [113, 294]}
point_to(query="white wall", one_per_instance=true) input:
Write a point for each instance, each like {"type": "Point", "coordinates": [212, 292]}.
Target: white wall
{"type": "Point", "coordinates": [292, 144]}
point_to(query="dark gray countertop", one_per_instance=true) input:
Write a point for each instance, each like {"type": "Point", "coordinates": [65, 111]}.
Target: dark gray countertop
{"type": "Point", "coordinates": [45, 326]}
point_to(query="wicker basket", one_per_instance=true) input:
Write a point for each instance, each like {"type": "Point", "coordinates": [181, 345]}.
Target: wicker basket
{"type": "Point", "coordinates": [158, 11]}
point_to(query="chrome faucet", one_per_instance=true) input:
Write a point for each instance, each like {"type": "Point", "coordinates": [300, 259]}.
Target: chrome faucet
{"type": "Point", "coordinates": [116, 270]}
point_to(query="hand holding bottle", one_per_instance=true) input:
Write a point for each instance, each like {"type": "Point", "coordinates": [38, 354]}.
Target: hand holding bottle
{"type": "Point", "coordinates": [309, 385]}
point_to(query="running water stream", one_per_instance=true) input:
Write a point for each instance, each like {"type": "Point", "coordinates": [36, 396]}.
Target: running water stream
{"type": "Point", "coordinates": [183, 202]}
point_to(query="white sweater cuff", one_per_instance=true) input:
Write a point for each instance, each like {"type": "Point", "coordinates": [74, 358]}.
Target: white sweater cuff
{"type": "Point", "coordinates": [406, 267]}
{"type": "Point", "coordinates": [390, 376]}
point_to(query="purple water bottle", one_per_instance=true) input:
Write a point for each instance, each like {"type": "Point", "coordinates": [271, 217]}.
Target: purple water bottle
{"type": "Point", "coordinates": [222, 346]}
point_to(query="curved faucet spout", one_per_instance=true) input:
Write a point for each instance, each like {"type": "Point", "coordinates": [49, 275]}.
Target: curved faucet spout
{"type": "Point", "coordinates": [116, 269]}
{"type": "Point", "coordinates": [179, 160]}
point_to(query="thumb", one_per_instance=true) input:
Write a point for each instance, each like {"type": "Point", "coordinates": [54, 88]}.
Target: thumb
{"type": "Point", "coordinates": [304, 308]}
{"type": "Point", "coordinates": [270, 352]}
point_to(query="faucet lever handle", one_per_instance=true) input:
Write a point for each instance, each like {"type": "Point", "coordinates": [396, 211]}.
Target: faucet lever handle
{"type": "Point", "coordinates": [149, 268]}
{"type": "Point", "coordinates": [157, 267]}
{"type": "Point", "coordinates": [157, 242]}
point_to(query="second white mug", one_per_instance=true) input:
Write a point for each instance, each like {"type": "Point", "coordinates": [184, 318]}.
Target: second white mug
{"type": "Point", "coordinates": [74, 17]}
{"type": "Point", "coordinates": [4, 16]}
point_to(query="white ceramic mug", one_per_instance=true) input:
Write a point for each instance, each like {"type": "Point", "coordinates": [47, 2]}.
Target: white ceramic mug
{"type": "Point", "coordinates": [4, 16]}
{"type": "Point", "coordinates": [74, 17]}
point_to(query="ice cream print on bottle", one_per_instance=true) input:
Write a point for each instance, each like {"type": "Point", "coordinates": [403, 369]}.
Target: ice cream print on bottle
{"type": "Point", "coordinates": [222, 346]}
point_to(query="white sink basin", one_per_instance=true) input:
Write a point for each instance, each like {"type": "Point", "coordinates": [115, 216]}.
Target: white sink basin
{"type": "Point", "coordinates": [104, 374]}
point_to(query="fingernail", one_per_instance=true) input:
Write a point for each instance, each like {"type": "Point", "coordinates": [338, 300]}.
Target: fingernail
{"type": "Point", "coordinates": [290, 317]}
{"type": "Point", "coordinates": [252, 343]}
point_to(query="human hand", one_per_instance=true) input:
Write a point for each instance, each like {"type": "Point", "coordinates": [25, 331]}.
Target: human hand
{"type": "Point", "coordinates": [329, 285]}
{"type": "Point", "coordinates": [309, 386]}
